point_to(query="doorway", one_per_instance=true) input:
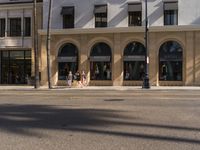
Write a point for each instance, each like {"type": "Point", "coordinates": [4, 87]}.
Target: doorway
{"type": "Point", "coordinates": [15, 66]}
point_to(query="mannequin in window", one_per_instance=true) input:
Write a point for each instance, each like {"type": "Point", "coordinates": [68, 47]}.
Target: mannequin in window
{"type": "Point", "coordinates": [108, 73]}
{"type": "Point", "coordinates": [127, 75]}
{"type": "Point", "coordinates": [164, 71]}
{"type": "Point", "coordinates": [130, 71]}
{"type": "Point", "coordinates": [105, 71]}
{"type": "Point", "coordinates": [177, 71]}
{"type": "Point", "coordinates": [96, 72]}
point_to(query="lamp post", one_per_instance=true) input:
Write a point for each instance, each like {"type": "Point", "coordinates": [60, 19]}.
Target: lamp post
{"type": "Point", "coordinates": [37, 82]}
{"type": "Point", "coordinates": [146, 77]}
{"type": "Point", "coordinates": [48, 45]}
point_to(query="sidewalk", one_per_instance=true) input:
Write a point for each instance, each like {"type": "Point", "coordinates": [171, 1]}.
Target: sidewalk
{"type": "Point", "coordinates": [120, 88]}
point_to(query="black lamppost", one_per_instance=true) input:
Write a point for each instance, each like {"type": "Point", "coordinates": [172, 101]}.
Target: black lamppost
{"type": "Point", "coordinates": [146, 77]}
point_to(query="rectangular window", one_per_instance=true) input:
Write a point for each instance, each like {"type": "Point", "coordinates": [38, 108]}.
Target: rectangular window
{"type": "Point", "coordinates": [14, 27]}
{"type": "Point", "coordinates": [15, 66]}
{"type": "Point", "coordinates": [2, 27]}
{"type": "Point", "coordinates": [27, 26]}
{"type": "Point", "coordinates": [135, 14]}
{"type": "Point", "coordinates": [134, 18]}
{"type": "Point", "coordinates": [171, 13]}
{"type": "Point", "coordinates": [68, 17]}
{"type": "Point", "coordinates": [100, 16]}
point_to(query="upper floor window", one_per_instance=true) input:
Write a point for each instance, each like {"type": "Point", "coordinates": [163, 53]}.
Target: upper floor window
{"type": "Point", "coordinates": [171, 13]}
{"type": "Point", "coordinates": [68, 17]}
{"type": "Point", "coordinates": [14, 27]}
{"type": "Point", "coordinates": [135, 14]}
{"type": "Point", "coordinates": [27, 26]}
{"type": "Point", "coordinates": [2, 27]}
{"type": "Point", "coordinates": [100, 15]}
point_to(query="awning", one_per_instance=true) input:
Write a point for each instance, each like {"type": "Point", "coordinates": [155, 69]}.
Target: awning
{"type": "Point", "coordinates": [100, 9]}
{"type": "Point", "coordinates": [134, 7]}
{"type": "Point", "coordinates": [134, 58]}
{"type": "Point", "coordinates": [67, 11]}
{"type": "Point", "coordinates": [67, 59]}
{"type": "Point", "coordinates": [171, 57]}
{"type": "Point", "coordinates": [171, 6]}
{"type": "Point", "coordinates": [100, 58]}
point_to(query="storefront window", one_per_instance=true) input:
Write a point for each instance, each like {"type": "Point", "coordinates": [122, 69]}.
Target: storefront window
{"type": "Point", "coordinates": [170, 66]}
{"type": "Point", "coordinates": [67, 60]}
{"type": "Point", "coordinates": [134, 61]}
{"type": "Point", "coordinates": [100, 62]}
{"type": "Point", "coordinates": [15, 67]}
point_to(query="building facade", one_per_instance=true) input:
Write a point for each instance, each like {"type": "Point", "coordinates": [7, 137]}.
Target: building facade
{"type": "Point", "coordinates": [105, 38]}
{"type": "Point", "coordinates": [16, 40]}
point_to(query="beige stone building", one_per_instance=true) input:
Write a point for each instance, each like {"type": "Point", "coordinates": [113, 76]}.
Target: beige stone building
{"type": "Point", "coordinates": [106, 40]}
{"type": "Point", "coordinates": [117, 39]}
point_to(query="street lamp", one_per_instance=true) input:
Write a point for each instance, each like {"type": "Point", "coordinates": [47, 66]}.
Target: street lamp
{"type": "Point", "coordinates": [146, 77]}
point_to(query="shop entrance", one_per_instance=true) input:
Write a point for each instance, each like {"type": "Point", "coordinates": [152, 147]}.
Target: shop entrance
{"type": "Point", "coordinates": [15, 66]}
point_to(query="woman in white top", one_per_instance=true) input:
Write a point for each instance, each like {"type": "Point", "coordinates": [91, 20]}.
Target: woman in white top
{"type": "Point", "coordinates": [69, 79]}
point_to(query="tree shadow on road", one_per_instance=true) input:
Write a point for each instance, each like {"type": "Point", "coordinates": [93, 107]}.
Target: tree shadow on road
{"type": "Point", "coordinates": [26, 119]}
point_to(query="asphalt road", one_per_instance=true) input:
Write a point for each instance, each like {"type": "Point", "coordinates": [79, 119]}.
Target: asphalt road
{"type": "Point", "coordinates": [100, 119]}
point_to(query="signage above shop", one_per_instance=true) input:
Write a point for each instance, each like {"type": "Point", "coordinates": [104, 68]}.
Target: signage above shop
{"type": "Point", "coordinates": [134, 58]}
{"type": "Point", "coordinates": [171, 58]}
{"type": "Point", "coordinates": [67, 59]}
{"type": "Point", "coordinates": [100, 58]}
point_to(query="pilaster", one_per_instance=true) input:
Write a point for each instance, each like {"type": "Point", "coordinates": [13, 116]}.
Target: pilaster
{"type": "Point", "coordinates": [117, 72]}
{"type": "Point", "coordinates": [189, 59]}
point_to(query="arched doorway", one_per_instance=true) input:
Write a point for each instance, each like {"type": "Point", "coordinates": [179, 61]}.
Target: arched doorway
{"type": "Point", "coordinates": [67, 60]}
{"type": "Point", "coordinates": [100, 62]}
{"type": "Point", "coordinates": [134, 61]}
{"type": "Point", "coordinates": [170, 61]}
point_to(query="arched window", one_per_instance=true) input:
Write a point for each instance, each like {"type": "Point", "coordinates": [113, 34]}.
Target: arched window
{"type": "Point", "coordinates": [67, 60]}
{"type": "Point", "coordinates": [170, 61]}
{"type": "Point", "coordinates": [134, 61]}
{"type": "Point", "coordinates": [100, 62]}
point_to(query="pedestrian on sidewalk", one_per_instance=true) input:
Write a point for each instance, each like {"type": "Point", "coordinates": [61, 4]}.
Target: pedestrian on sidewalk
{"type": "Point", "coordinates": [69, 79]}
{"type": "Point", "coordinates": [83, 78]}
{"type": "Point", "coordinates": [78, 78]}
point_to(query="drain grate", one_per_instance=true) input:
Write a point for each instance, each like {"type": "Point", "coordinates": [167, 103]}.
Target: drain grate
{"type": "Point", "coordinates": [114, 100]}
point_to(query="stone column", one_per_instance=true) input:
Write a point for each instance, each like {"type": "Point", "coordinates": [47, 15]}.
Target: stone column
{"type": "Point", "coordinates": [153, 60]}
{"type": "Point", "coordinates": [83, 55]}
{"type": "Point", "coordinates": [189, 59]}
{"type": "Point", "coordinates": [197, 58]}
{"type": "Point", "coordinates": [117, 72]}
{"type": "Point", "coordinates": [43, 64]}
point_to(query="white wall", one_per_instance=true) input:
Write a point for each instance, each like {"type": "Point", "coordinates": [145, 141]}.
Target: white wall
{"type": "Point", "coordinates": [189, 12]}
{"type": "Point", "coordinates": [11, 1]}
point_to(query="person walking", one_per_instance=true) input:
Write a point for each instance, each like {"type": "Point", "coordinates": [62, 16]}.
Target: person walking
{"type": "Point", "coordinates": [83, 78]}
{"type": "Point", "coordinates": [69, 79]}
{"type": "Point", "coordinates": [78, 78]}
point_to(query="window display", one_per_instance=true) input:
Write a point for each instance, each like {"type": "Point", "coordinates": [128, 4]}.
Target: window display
{"type": "Point", "coordinates": [67, 61]}
{"type": "Point", "coordinates": [170, 62]}
{"type": "Point", "coordinates": [100, 62]}
{"type": "Point", "coordinates": [134, 61]}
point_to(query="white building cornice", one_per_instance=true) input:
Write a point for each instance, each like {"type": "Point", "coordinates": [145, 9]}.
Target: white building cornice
{"type": "Point", "coordinates": [18, 6]}
{"type": "Point", "coordinates": [121, 30]}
